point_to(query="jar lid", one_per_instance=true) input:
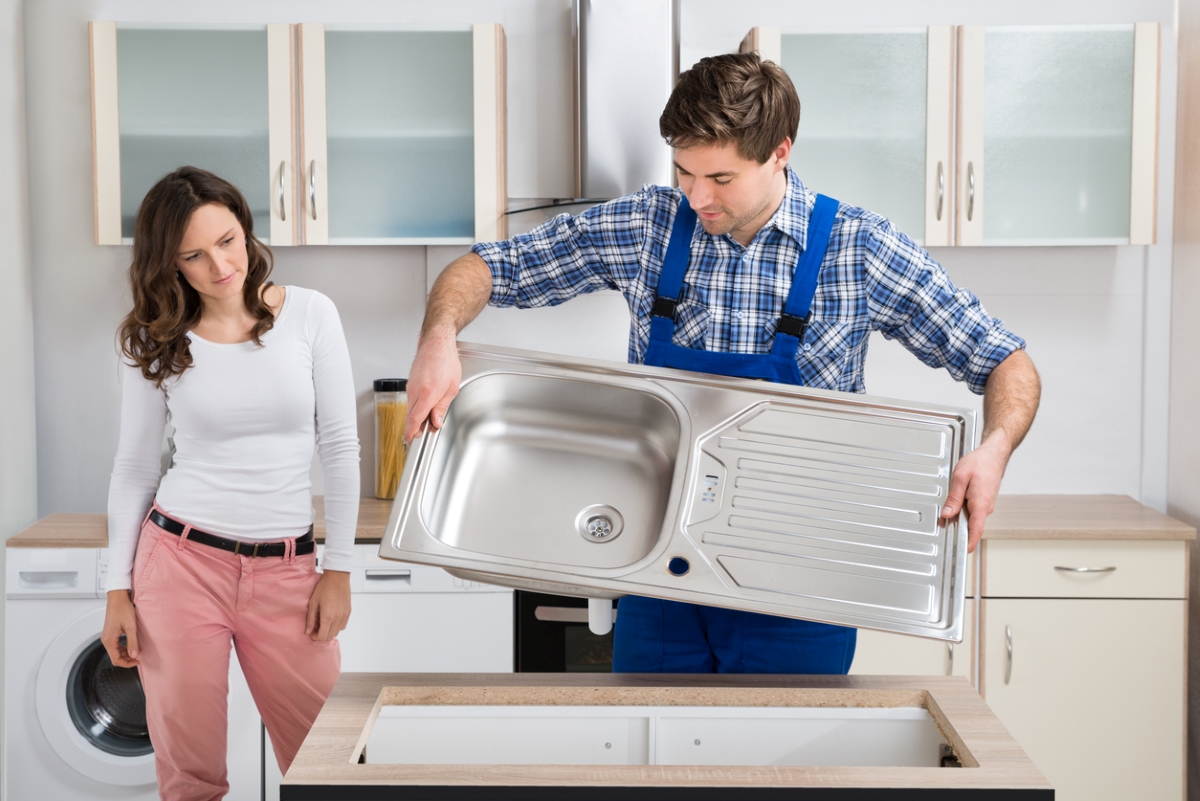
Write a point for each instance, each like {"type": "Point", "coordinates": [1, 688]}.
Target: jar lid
{"type": "Point", "coordinates": [391, 384]}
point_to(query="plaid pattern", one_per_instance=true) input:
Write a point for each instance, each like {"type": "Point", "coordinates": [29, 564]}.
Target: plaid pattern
{"type": "Point", "coordinates": [873, 278]}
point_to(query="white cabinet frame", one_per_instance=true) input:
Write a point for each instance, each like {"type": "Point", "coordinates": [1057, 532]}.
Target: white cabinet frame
{"type": "Point", "coordinates": [954, 131]}
{"type": "Point", "coordinates": [297, 142]}
{"type": "Point", "coordinates": [1143, 205]}
{"type": "Point", "coordinates": [767, 42]}
{"type": "Point", "coordinates": [490, 141]}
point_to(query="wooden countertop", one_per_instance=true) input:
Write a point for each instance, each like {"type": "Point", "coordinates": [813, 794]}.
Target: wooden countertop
{"type": "Point", "coordinates": [328, 761]}
{"type": "Point", "coordinates": [1081, 517]}
{"type": "Point", "coordinates": [70, 530]}
{"type": "Point", "coordinates": [1057, 517]}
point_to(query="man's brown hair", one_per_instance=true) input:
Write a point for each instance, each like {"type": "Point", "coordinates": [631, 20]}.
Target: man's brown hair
{"type": "Point", "coordinates": [736, 98]}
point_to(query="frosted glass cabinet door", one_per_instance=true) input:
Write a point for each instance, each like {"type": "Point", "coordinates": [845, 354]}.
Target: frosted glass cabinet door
{"type": "Point", "coordinates": [393, 158]}
{"type": "Point", "coordinates": [875, 119]}
{"type": "Point", "coordinates": [1049, 130]}
{"type": "Point", "coordinates": [165, 98]}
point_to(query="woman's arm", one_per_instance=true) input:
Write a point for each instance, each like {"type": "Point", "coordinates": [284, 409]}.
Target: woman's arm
{"type": "Point", "coordinates": [135, 476]}
{"type": "Point", "coordinates": [337, 444]}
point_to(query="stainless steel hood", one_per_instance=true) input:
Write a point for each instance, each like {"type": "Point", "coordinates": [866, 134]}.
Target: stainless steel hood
{"type": "Point", "coordinates": [626, 64]}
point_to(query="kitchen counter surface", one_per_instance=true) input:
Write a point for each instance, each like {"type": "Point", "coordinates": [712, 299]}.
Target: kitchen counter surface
{"type": "Point", "coordinates": [327, 765]}
{"type": "Point", "coordinates": [1057, 517]}
{"type": "Point", "coordinates": [70, 530]}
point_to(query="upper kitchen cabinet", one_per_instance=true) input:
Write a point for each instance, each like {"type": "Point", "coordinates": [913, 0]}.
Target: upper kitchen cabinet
{"type": "Point", "coordinates": [1056, 128]}
{"type": "Point", "coordinates": [212, 97]}
{"type": "Point", "coordinates": [876, 118]}
{"type": "Point", "coordinates": [1058, 135]}
{"type": "Point", "coordinates": [335, 135]}
{"type": "Point", "coordinates": [402, 134]}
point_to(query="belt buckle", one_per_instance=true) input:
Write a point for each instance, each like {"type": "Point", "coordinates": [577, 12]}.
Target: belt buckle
{"type": "Point", "coordinates": [255, 551]}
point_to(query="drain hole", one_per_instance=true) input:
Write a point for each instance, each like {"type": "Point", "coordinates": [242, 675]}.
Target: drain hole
{"type": "Point", "coordinates": [678, 566]}
{"type": "Point", "coordinates": [599, 526]}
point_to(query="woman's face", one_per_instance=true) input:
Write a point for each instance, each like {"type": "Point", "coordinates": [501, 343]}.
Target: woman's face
{"type": "Point", "coordinates": [212, 255]}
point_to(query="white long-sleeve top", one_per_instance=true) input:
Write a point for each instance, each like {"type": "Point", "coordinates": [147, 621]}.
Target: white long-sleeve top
{"type": "Point", "coordinates": [246, 419]}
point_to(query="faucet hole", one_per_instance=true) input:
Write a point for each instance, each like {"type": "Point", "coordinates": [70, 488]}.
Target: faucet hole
{"type": "Point", "coordinates": [678, 566]}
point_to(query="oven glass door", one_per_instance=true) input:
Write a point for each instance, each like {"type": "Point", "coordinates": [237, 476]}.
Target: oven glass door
{"type": "Point", "coordinates": [552, 636]}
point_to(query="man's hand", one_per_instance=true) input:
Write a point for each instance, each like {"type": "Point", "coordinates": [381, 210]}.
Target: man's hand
{"type": "Point", "coordinates": [432, 382]}
{"type": "Point", "coordinates": [328, 606]}
{"type": "Point", "coordinates": [1010, 402]}
{"type": "Point", "coordinates": [120, 618]}
{"type": "Point", "coordinates": [975, 485]}
{"type": "Point", "coordinates": [457, 297]}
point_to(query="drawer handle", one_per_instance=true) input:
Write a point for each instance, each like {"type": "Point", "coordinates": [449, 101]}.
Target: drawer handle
{"type": "Point", "coordinates": [49, 579]}
{"type": "Point", "coordinates": [282, 208]}
{"type": "Point", "coordinates": [1085, 569]}
{"type": "Point", "coordinates": [312, 187]}
{"type": "Point", "coordinates": [389, 575]}
{"type": "Point", "coordinates": [1008, 648]}
{"type": "Point", "coordinates": [941, 190]}
{"type": "Point", "coordinates": [970, 190]}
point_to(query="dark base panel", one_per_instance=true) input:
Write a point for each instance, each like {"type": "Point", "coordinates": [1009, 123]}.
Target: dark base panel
{"type": "Point", "coordinates": [412, 793]}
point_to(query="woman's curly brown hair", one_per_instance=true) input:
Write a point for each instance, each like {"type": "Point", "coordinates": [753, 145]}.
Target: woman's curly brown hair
{"type": "Point", "coordinates": [165, 306]}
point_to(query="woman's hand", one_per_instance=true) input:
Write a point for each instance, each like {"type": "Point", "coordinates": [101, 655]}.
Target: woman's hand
{"type": "Point", "coordinates": [328, 606]}
{"type": "Point", "coordinates": [120, 618]}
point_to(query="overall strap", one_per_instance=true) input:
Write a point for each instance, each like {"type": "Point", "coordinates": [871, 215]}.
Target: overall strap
{"type": "Point", "coordinates": [797, 310]}
{"type": "Point", "coordinates": [670, 280]}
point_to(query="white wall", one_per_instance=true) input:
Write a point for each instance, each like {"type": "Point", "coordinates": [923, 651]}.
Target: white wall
{"type": "Point", "coordinates": [1094, 317]}
{"type": "Point", "coordinates": [18, 452]}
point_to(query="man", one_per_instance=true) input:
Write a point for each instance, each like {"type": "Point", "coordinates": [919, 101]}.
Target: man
{"type": "Point", "coordinates": [743, 271]}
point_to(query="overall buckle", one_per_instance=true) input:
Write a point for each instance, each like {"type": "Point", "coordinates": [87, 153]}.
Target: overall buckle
{"type": "Point", "coordinates": [663, 307]}
{"type": "Point", "coordinates": [793, 325]}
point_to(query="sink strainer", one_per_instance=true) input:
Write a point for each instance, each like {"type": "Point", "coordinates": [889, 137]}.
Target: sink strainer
{"type": "Point", "coordinates": [599, 523]}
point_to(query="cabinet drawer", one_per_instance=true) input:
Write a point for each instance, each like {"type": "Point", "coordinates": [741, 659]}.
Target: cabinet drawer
{"type": "Point", "coordinates": [1085, 569]}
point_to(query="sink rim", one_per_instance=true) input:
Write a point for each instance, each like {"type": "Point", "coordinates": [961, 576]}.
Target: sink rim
{"type": "Point", "coordinates": [677, 386]}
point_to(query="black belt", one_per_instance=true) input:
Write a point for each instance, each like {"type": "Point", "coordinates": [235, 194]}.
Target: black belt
{"type": "Point", "coordinates": [304, 544]}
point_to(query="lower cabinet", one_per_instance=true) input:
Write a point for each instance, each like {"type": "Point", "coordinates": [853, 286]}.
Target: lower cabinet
{"type": "Point", "coordinates": [1094, 691]}
{"type": "Point", "coordinates": [884, 654]}
{"type": "Point", "coordinates": [1084, 662]}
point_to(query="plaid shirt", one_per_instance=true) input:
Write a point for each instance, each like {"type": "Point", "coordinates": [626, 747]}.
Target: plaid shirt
{"type": "Point", "coordinates": [873, 278]}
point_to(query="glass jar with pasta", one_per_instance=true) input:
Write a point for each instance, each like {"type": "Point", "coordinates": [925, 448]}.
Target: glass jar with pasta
{"type": "Point", "coordinates": [391, 407]}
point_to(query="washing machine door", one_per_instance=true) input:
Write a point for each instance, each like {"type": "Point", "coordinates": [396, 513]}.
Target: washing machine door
{"type": "Point", "coordinates": [93, 714]}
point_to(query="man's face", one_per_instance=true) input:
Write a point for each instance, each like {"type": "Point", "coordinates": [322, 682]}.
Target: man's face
{"type": "Point", "coordinates": [731, 194]}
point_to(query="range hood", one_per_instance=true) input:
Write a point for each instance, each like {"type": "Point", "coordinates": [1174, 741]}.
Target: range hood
{"type": "Point", "coordinates": [626, 64]}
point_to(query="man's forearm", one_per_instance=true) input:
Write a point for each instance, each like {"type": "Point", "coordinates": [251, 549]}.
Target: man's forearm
{"type": "Point", "coordinates": [1010, 400]}
{"type": "Point", "coordinates": [458, 295]}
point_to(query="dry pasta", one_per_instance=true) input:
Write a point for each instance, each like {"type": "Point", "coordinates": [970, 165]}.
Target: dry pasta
{"type": "Point", "coordinates": [389, 422]}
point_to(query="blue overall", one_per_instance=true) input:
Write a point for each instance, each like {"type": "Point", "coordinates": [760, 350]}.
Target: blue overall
{"type": "Point", "coordinates": [654, 636]}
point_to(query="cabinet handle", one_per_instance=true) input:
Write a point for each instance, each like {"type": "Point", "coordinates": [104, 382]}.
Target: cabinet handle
{"type": "Point", "coordinates": [1085, 569]}
{"type": "Point", "coordinates": [312, 188]}
{"type": "Point", "coordinates": [1008, 648]}
{"type": "Point", "coordinates": [941, 190]}
{"type": "Point", "coordinates": [950, 664]}
{"type": "Point", "coordinates": [970, 190]}
{"type": "Point", "coordinates": [282, 210]}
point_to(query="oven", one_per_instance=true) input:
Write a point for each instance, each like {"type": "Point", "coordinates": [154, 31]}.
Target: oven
{"type": "Point", "coordinates": [552, 636]}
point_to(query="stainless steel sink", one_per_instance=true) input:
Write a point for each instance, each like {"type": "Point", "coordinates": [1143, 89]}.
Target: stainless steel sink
{"type": "Point", "coordinates": [600, 480]}
{"type": "Point", "coordinates": [525, 459]}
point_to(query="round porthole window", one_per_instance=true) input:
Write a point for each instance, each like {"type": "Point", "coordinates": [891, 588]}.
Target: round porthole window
{"type": "Point", "coordinates": [107, 705]}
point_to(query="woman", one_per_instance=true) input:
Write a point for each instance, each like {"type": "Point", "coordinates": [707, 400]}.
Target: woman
{"type": "Point", "coordinates": [250, 376]}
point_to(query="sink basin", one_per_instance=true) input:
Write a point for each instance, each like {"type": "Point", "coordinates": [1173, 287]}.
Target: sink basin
{"type": "Point", "coordinates": [553, 470]}
{"type": "Point", "coordinates": [599, 480]}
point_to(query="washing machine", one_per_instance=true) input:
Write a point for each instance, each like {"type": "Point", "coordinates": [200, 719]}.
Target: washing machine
{"type": "Point", "coordinates": [75, 726]}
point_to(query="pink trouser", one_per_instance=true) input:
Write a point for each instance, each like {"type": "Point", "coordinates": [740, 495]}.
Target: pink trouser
{"type": "Point", "coordinates": [191, 601]}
